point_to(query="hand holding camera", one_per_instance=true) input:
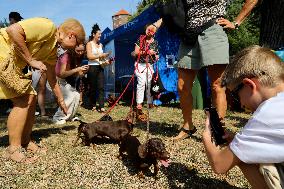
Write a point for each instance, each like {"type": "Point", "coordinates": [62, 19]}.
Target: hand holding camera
{"type": "Point", "coordinates": [217, 131]}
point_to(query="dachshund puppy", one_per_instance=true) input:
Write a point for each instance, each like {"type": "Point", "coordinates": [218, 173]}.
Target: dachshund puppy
{"type": "Point", "coordinates": [115, 130]}
{"type": "Point", "coordinates": [106, 118]}
{"type": "Point", "coordinates": [168, 97]}
{"type": "Point", "coordinates": [111, 100]}
{"type": "Point", "coordinates": [140, 115]}
{"type": "Point", "coordinates": [144, 155]}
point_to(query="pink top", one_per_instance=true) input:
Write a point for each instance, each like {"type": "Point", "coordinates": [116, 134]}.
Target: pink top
{"type": "Point", "coordinates": [63, 59]}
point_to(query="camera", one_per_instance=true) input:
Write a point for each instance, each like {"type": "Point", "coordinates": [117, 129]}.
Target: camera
{"type": "Point", "coordinates": [217, 130]}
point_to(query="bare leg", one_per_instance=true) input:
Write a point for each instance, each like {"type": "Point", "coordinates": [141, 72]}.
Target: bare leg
{"type": "Point", "coordinates": [185, 82]}
{"type": "Point", "coordinates": [41, 94]}
{"type": "Point", "coordinates": [254, 177]}
{"type": "Point", "coordinates": [26, 137]}
{"type": "Point", "coordinates": [18, 118]}
{"type": "Point", "coordinates": [218, 92]}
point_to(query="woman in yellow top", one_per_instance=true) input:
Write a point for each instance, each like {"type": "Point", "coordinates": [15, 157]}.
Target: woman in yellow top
{"type": "Point", "coordinates": [31, 42]}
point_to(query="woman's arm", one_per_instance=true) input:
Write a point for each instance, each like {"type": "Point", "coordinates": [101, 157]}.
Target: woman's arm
{"type": "Point", "coordinates": [18, 37]}
{"type": "Point", "coordinates": [245, 12]}
{"type": "Point", "coordinates": [51, 78]}
{"type": "Point", "coordinates": [92, 56]}
{"type": "Point", "coordinates": [136, 50]}
{"type": "Point", "coordinates": [158, 23]}
{"type": "Point", "coordinates": [64, 62]}
{"type": "Point", "coordinates": [65, 70]}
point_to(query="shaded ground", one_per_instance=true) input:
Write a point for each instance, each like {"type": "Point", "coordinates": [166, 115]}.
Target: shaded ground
{"type": "Point", "coordinates": [65, 166]}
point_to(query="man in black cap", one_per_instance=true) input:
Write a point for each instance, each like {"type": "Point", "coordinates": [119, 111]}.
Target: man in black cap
{"type": "Point", "coordinates": [14, 17]}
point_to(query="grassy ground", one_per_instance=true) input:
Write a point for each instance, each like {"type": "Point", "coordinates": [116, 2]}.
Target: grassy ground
{"type": "Point", "coordinates": [65, 166]}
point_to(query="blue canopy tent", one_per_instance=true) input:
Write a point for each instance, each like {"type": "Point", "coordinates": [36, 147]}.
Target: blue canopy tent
{"type": "Point", "coordinates": [122, 42]}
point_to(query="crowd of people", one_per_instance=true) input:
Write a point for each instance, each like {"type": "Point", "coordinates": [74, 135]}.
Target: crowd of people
{"type": "Point", "coordinates": [255, 76]}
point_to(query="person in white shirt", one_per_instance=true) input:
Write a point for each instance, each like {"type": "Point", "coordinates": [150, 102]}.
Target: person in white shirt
{"type": "Point", "coordinates": [256, 75]}
{"type": "Point", "coordinates": [97, 61]}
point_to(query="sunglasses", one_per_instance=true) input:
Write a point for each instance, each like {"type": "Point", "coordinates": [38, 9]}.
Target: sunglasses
{"type": "Point", "coordinates": [236, 90]}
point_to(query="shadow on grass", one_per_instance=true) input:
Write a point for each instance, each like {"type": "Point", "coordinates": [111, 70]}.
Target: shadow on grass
{"type": "Point", "coordinates": [241, 121]}
{"type": "Point", "coordinates": [159, 128]}
{"type": "Point", "coordinates": [163, 129]}
{"type": "Point", "coordinates": [179, 176]}
{"type": "Point", "coordinates": [37, 135]}
{"type": "Point", "coordinates": [132, 168]}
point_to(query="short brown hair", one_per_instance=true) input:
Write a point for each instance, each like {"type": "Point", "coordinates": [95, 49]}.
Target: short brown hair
{"type": "Point", "coordinates": [254, 61]}
{"type": "Point", "coordinates": [73, 25]}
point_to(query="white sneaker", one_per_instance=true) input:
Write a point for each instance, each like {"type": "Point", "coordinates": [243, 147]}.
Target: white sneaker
{"type": "Point", "coordinates": [59, 122]}
{"type": "Point", "coordinates": [75, 119]}
{"type": "Point", "coordinates": [36, 113]}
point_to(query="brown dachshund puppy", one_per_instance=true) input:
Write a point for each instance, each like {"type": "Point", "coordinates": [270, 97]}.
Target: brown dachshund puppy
{"type": "Point", "coordinates": [111, 100]}
{"type": "Point", "coordinates": [115, 130]}
{"type": "Point", "coordinates": [144, 155]}
{"type": "Point", "coordinates": [140, 115]}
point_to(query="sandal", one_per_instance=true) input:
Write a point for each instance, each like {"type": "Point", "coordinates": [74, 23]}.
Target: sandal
{"type": "Point", "coordinates": [35, 149]}
{"type": "Point", "coordinates": [101, 110]}
{"type": "Point", "coordinates": [18, 155]}
{"type": "Point", "coordinates": [184, 133]}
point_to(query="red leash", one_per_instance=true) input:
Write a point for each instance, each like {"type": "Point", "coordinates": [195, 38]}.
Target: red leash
{"type": "Point", "coordinates": [131, 79]}
{"type": "Point", "coordinates": [142, 41]}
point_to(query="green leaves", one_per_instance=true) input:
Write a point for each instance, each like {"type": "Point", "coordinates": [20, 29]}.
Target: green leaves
{"type": "Point", "coordinates": [248, 32]}
{"type": "Point", "coordinates": [3, 23]}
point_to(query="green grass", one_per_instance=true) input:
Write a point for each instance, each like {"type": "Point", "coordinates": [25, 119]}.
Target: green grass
{"type": "Point", "coordinates": [66, 166]}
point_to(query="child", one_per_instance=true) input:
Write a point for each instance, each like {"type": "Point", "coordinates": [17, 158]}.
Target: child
{"type": "Point", "coordinates": [256, 75]}
{"type": "Point", "coordinates": [66, 70]}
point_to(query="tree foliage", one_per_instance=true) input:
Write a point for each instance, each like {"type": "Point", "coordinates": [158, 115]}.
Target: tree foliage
{"type": "Point", "coordinates": [3, 23]}
{"type": "Point", "coordinates": [248, 32]}
{"type": "Point", "coordinates": [246, 35]}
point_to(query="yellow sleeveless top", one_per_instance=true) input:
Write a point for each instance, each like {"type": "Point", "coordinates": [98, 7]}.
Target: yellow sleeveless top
{"type": "Point", "coordinates": [41, 42]}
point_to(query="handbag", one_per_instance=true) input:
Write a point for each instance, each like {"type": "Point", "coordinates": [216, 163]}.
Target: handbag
{"type": "Point", "coordinates": [12, 76]}
{"type": "Point", "coordinates": [157, 86]}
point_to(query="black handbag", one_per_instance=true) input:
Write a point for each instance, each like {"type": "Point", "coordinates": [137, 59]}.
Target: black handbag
{"type": "Point", "coordinates": [157, 86]}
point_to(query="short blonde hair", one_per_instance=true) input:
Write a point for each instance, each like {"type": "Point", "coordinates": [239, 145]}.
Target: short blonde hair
{"type": "Point", "coordinates": [73, 25]}
{"type": "Point", "coordinates": [254, 62]}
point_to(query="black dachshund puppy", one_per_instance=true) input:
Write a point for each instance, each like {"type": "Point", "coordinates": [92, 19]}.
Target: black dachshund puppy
{"type": "Point", "coordinates": [168, 97]}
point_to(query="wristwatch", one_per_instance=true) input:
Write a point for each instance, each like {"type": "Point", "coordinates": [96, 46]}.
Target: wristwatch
{"type": "Point", "coordinates": [236, 24]}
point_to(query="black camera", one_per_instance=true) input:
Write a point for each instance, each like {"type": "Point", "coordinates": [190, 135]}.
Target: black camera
{"type": "Point", "coordinates": [217, 130]}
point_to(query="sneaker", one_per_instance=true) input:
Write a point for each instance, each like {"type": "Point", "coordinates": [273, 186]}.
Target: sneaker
{"type": "Point", "coordinates": [59, 122]}
{"type": "Point", "coordinates": [36, 113]}
{"type": "Point", "coordinates": [75, 119]}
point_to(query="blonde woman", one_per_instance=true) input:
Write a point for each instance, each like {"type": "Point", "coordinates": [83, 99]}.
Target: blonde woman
{"type": "Point", "coordinates": [31, 42]}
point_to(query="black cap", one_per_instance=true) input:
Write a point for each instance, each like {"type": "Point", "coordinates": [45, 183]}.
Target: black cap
{"type": "Point", "coordinates": [15, 15]}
